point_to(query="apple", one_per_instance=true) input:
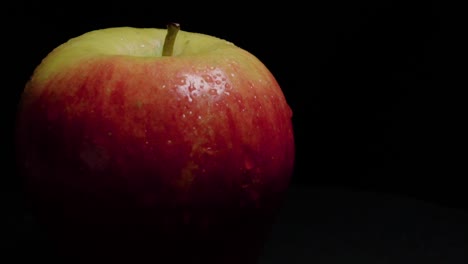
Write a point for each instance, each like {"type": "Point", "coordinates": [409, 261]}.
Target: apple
{"type": "Point", "coordinates": [154, 145]}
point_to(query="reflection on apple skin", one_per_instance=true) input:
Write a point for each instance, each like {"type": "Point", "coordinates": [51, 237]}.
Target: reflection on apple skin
{"type": "Point", "coordinates": [212, 83]}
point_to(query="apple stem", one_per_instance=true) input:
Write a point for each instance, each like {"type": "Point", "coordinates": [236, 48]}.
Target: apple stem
{"type": "Point", "coordinates": [172, 30]}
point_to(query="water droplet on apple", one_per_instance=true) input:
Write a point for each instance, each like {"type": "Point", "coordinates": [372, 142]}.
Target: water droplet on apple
{"type": "Point", "coordinates": [213, 92]}
{"type": "Point", "coordinates": [232, 74]}
{"type": "Point", "coordinates": [199, 117]}
{"type": "Point", "coordinates": [208, 84]}
{"type": "Point", "coordinates": [191, 88]}
{"type": "Point", "coordinates": [164, 86]}
{"type": "Point", "coordinates": [209, 150]}
{"type": "Point", "coordinates": [226, 93]}
{"type": "Point", "coordinates": [183, 115]}
{"type": "Point", "coordinates": [169, 142]}
{"type": "Point", "coordinates": [207, 78]}
{"type": "Point", "coordinates": [227, 86]}
{"type": "Point", "coordinates": [146, 142]}
{"type": "Point", "coordinates": [190, 112]}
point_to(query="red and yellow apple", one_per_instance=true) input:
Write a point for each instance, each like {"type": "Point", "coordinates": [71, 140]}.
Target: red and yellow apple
{"type": "Point", "coordinates": [136, 145]}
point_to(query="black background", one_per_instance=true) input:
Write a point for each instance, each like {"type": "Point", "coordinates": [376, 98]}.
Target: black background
{"type": "Point", "coordinates": [373, 86]}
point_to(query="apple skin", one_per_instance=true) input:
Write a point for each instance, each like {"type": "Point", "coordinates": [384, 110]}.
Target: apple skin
{"type": "Point", "coordinates": [175, 159]}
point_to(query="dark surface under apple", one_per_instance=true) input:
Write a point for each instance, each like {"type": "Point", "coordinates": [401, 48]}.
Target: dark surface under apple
{"type": "Point", "coordinates": [323, 225]}
{"type": "Point", "coordinates": [343, 226]}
